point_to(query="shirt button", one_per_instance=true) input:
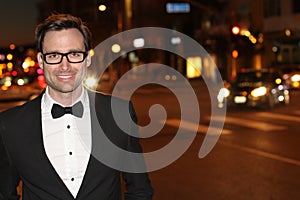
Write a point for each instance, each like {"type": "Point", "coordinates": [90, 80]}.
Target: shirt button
{"type": "Point", "coordinates": [70, 153]}
{"type": "Point", "coordinates": [68, 126]}
{"type": "Point", "coordinates": [72, 179]}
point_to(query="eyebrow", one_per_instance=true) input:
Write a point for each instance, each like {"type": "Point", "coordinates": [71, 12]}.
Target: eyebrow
{"type": "Point", "coordinates": [70, 51]}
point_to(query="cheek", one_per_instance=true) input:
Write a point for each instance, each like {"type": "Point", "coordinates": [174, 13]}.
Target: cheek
{"type": "Point", "coordinates": [83, 71]}
{"type": "Point", "coordinates": [48, 71]}
{"type": "Point", "coordinates": [80, 73]}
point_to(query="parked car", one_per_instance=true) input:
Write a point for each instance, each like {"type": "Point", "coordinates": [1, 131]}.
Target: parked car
{"type": "Point", "coordinates": [292, 78]}
{"type": "Point", "coordinates": [255, 88]}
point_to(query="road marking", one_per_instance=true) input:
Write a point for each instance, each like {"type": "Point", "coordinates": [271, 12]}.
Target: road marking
{"type": "Point", "coordinates": [278, 116]}
{"type": "Point", "coordinates": [189, 126]}
{"type": "Point", "coordinates": [263, 153]}
{"type": "Point", "coordinates": [251, 124]}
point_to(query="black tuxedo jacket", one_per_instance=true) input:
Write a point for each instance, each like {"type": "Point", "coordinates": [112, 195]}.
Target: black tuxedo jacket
{"type": "Point", "coordinates": [22, 157]}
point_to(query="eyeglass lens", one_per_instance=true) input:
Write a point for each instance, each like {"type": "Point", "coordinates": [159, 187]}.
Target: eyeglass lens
{"type": "Point", "coordinates": [72, 57]}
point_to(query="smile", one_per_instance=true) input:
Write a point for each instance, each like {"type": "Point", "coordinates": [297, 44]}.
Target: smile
{"type": "Point", "coordinates": [65, 77]}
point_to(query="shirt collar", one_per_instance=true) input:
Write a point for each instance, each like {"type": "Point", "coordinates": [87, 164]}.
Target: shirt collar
{"type": "Point", "coordinates": [49, 101]}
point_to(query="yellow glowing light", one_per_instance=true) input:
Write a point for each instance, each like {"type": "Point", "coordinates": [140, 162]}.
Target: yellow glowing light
{"type": "Point", "coordinates": [278, 81]}
{"type": "Point", "coordinates": [261, 91]}
{"type": "Point", "coordinates": [296, 84]}
{"type": "Point", "coordinates": [92, 52]}
{"type": "Point", "coordinates": [9, 56]}
{"type": "Point", "coordinates": [7, 83]}
{"type": "Point", "coordinates": [9, 66]}
{"type": "Point", "coordinates": [128, 9]}
{"type": "Point", "coordinates": [193, 67]}
{"type": "Point", "coordinates": [2, 66]}
{"type": "Point", "coordinates": [31, 63]}
{"type": "Point", "coordinates": [115, 48]}
{"type": "Point", "coordinates": [235, 30]}
{"type": "Point", "coordinates": [252, 39]}
{"type": "Point", "coordinates": [288, 32]}
{"type": "Point", "coordinates": [102, 8]}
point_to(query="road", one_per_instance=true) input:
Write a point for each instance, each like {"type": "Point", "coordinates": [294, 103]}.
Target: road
{"type": "Point", "coordinates": [256, 157]}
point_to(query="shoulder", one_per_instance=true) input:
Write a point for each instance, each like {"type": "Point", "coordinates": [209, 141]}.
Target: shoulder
{"type": "Point", "coordinates": [108, 105]}
{"type": "Point", "coordinates": [104, 100]}
{"type": "Point", "coordinates": [108, 98]}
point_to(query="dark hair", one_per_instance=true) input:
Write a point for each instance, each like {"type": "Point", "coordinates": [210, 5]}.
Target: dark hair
{"type": "Point", "coordinates": [59, 22]}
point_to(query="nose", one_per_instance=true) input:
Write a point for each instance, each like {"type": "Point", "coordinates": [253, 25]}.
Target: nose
{"type": "Point", "coordinates": [64, 65]}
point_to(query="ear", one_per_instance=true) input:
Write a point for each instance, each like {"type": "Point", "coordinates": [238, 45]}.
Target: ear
{"type": "Point", "coordinates": [40, 60]}
{"type": "Point", "coordinates": [89, 59]}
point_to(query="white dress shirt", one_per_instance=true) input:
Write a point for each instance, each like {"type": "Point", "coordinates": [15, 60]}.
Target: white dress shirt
{"type": "Point", "coordinates": [67, 141]}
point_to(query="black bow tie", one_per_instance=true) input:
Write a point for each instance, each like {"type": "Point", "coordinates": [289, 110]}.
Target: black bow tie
{"type": "Point", "coordinates": [58, 111]}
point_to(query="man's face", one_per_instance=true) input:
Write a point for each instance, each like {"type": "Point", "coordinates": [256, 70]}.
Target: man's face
{"type": "Point", "coordinates": [64, 77]}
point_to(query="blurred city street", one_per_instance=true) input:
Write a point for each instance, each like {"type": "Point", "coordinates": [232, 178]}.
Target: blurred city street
{"type": "Point", "coordinates": [256, 157]}
{"type": "Point", "coordinates": [257, 154]}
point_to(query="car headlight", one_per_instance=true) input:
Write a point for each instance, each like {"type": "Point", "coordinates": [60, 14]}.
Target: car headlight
{"type": "Point", "coordinates": [261, 91]}
{"type": "Point", "coordinates": [223, 93]}
{"type": "Point", "coordinates": [20, 81]}
{"type": "Point", "coordinates": [295, 78]}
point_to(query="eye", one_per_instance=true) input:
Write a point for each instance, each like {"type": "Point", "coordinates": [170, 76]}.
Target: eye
{"type": "Point", "coordinates": [53, 55]}
{"type": "Point", "coordinates": [75, 54]}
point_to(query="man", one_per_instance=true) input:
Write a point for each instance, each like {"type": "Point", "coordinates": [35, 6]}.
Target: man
{"type": "Point", "coordinates": [48, 143]}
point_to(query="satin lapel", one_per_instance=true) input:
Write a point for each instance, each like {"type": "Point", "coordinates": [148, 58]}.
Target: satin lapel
{"type": "Point", "coordinates": [94, 166]}
{"type": "Point", "coordinates": [35, 135]}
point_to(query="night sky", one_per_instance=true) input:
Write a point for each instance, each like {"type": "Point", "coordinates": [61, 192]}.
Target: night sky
{"type": "Point", "coordinates": [18, 19]}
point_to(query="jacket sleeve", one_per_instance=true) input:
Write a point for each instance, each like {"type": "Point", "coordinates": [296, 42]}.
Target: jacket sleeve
{"type": "Point", "coordinates": [9, 180]}
{"type": "Point", "coordinates": [138, 185]}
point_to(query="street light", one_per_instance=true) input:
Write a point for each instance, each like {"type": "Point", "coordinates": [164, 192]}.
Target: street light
{"type": "Point", "coordinates": [115, 48]}
{"type": "Point", "coordinates": [235, 54]}
{"type": "Point", "coordinates": [12, 46]}
{"type": "Point", "coordinates": [235, 30]}
{"type": "Point", "coordinates": [9, 56]}
{"type": "Point", "coordinates": [102, 7]}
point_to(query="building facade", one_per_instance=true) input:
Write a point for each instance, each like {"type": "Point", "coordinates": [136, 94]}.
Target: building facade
{"type": "Point", "coordinates": [282, 32]}
{"type": "Point", "coordinates": [268, 37]}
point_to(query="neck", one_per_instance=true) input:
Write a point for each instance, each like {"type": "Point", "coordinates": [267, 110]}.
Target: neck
{"type": "Point", "coordinates": [67, 98]}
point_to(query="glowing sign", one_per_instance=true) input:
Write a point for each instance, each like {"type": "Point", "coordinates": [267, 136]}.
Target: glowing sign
{"type": "Point", "coordinates": [178, 8]}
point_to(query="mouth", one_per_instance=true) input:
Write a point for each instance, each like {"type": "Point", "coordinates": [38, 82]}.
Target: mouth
{"type": "Point", "coordinates": [65, 77]}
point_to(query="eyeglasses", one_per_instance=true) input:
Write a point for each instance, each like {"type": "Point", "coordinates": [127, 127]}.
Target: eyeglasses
{"type": "Point", "coordinates": [72, 57]}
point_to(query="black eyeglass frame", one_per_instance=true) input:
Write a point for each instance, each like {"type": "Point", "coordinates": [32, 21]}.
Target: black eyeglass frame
{"type": "Point", "coordinates": [64, 55]}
